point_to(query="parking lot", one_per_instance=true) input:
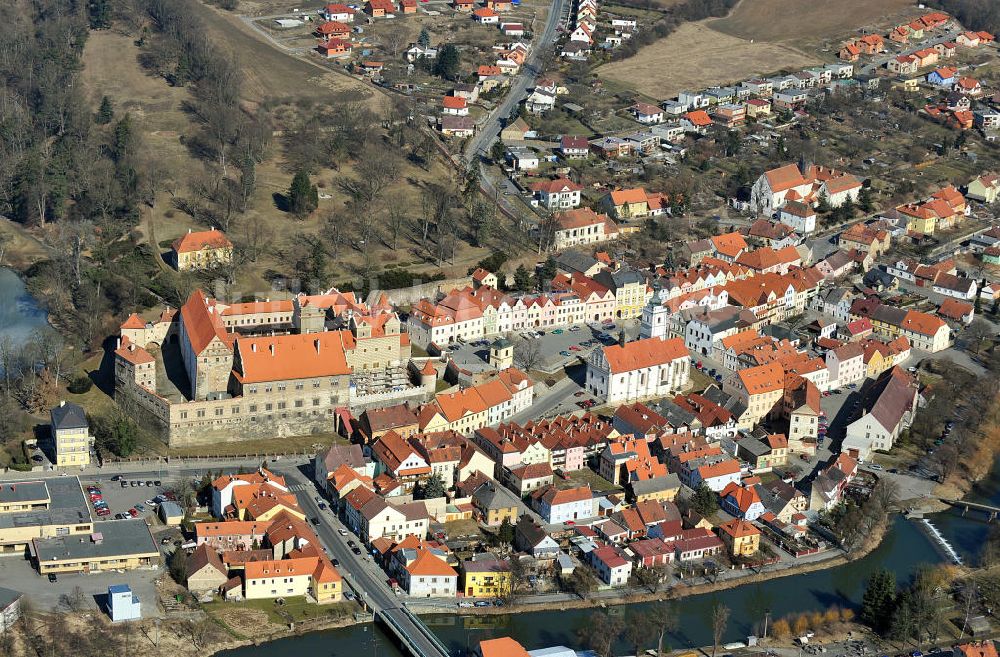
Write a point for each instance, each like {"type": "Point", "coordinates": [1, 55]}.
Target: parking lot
{"type": "Point", "coordinates": [17, 573]}
{"type": "Point", "coordinates": [132, 499]}
{"type": "Point", "coordinates": [559, 347]}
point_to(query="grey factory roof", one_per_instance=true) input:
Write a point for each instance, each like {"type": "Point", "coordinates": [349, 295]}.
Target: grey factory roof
{"type": "Point", "coordinates": [67, 506]}
{"type": "Point", "coordinates": [117, 538]}
{"type": "Point", "coordinates": [8, 597]}
{"type": "Point", "coordinates": [23, 491]}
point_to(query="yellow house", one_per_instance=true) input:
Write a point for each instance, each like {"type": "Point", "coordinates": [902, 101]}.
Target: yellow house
{"type": "Point", "coordinates": [327, 584]}
{"type": "Point", "coordinates": [741, 538]}
{"type": "Point", "coordinates": [201, 250]}
{"type": "Point", "coordinates": [985, 188]}
{"type": "Point", "coordinates": [875, 364]}
{"type": "Point", "coordinates": [658, 489]}
{"type": "Point", "coordinates": [627, 203]}
{"type": "Point", "coordinates": [71, 439]}
{"type": "Point", "coordinates": [486, 579]}
{"type": "Point", "coordinates": [924, 225]}
{"type": "Point", "coordinates": [908, 84]}
{"type": "Point", "coordinates": [629, 288]}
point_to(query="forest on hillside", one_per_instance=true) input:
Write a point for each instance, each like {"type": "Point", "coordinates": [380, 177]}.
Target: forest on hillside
{"type": "Point", "coordinates": [974, 14]}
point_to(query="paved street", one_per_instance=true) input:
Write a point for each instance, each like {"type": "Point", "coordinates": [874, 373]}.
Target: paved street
{"type": "Point", "coordinates": [490, 128]}
{"type": "Point", "coordinates": [360, 573]}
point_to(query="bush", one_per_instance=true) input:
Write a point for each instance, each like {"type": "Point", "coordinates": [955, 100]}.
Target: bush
{"type": "Point", "coordinates": [80, 385]}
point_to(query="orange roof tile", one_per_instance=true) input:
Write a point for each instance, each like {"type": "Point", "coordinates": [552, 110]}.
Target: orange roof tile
{"type": "Point", "coordinates": [202, 324]}
{"type": "Point", "coordinates": [739, 528]}
{"type": "Point", "coordinates": [295, 356]}
{"type": "Point", "coordinates": [428, 564]}
{"type": "Point", "coordinates": [762, 379]}
{"type": "Point", "coordinates": [644, 353]}
{"type": "Point", "coordinates": [203, 239]}
{"type": "Point", "coordinates": [133, 322]}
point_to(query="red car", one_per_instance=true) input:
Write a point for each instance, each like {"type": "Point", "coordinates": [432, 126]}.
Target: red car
{"type": "Point", "coordinates": [574, 348]}
{"type": "Point", "coordinates": [133, 513]}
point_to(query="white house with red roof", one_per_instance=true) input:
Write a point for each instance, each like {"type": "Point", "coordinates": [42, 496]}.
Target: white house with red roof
{"type": "Point", "coordinates": [559, 194]}
{"type": "Point", "coordinates": [569, 504]}
{"type": "Point", "coordinates": [611, 566]}
{"type": "Point", "coordinates": [338, 12]}
{"type": "Point", "coordinates": [222, 488]}
{"type": "Point", "coordinates": [650, 367]}
{"type": "Point", "coordinates": [582, 226]}
{"type": "Point", "coordinates": [788, 183]}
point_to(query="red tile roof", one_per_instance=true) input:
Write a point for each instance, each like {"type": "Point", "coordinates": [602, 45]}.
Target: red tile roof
{"type": "Point", "coordinates": [204, 239]}
{"type": "Point", "coordinates": [644, 353]}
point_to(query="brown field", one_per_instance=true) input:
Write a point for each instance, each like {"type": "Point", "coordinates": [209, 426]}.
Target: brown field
{"type": "Point", "coordinates": [807, 24]}
{"type": "Point", "coordinates": [111, 68]}
{"type": "Point", "coordinates": [695, 57]}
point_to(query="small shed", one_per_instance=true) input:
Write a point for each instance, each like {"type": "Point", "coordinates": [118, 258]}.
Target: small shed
{"type": "Point", "coordinates": [171, 514]}
{"type": "Point", "coordinates": [123, 605]}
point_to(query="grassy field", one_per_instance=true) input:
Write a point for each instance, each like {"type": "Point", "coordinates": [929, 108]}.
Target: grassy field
{"type": "Point", "coordinates": [696, 56]}
{"type": "Point", "coordinates": [235, 615]}
{"type": "Point", "coordinates": [111, 68]}
{"type": "Point", "coordinates": [271, 73]}
{"type": "Point", "coordinates": [806, 24]}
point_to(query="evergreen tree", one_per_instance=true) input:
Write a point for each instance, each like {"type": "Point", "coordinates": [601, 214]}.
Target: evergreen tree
{"type": "Point", "coordinates": [879, 601]}
{"type": "Point", "coordinates": [99, 14]}
{"type": "Point", "coordinates": [498, 151]}
{"type": "Point", "coordinates": [177, 563]}
{"type": "Point", "coordinates": [124, 141]}
{"type": "Point", "coordinates": [424, 40]}
{"type": "Point", "coordinates": [705, 501]}
{"type": "Point", "coordinates": [823, 206]}
{"type": "Point", "coordinates": [506, 532]}
{"type": "Point", "coordinates": [303, 197]}
{"type": "Point", "coordinates": [106, 111]}
{"type": "Point", "coordinates": [430, 489]}
{"type": "Point", "coordinates": [448, 62]}
{"type": "Point", "coordinates": [865, 200]}
{"type": "Point", "coordinates": [522, 279]}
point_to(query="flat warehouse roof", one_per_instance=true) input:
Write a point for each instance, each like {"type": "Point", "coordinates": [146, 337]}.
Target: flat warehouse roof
{"type": "Point", "coordinates": [117, 538]}
{"type": "Point", "coordinates": [67, 506]}
{"type": "Point", "coordinates": [23, 491]}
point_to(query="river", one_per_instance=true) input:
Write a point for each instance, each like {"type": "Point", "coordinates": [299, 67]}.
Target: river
{"type": "Point", "coordinates": [20, 315]}
{"type": "Point", "coordinates": [904, 549]}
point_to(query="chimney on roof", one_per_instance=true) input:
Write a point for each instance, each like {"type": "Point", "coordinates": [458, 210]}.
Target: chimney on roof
{"type": "Point", "coordinates": [271, 347]}
{"type": "Point", "coordinates": [253, 347]}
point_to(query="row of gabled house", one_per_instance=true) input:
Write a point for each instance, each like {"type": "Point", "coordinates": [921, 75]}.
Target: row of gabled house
{"type": "Point", "coordinates": [873, 44]}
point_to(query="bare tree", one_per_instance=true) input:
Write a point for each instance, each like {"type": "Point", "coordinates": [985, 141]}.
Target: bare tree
{"type": "Point", "coordinates": [397, 219]}
{"type": "Point", "coordinates": [394, 41]}
{"type": "Point", "coordinates": [377, 169]}
{"type": "Point", "coordinates": [720, 620]}
{"type": "Point", "coordinates": [663, 617]}
{"type": "Point", "coordinates": [528, 354]}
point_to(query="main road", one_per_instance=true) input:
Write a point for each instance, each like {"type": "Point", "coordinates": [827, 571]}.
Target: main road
{"type": "Point", "coordinates": [489, 130]}
{"type": "Point", "coordinates": [361, 574]}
